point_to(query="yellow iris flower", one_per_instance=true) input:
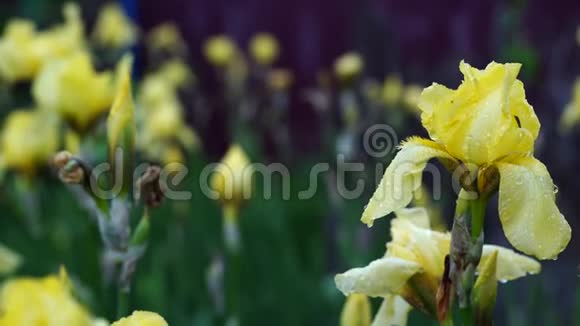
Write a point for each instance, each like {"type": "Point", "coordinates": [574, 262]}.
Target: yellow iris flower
{"type": "Point", "coordinates": [571, 114]}
{"type": "Point", "coordinates": [29, 139]}
{"type": "Point", "coordinates": [24, 50]}
{"type": "Point", "coordinates": [485, 123]}
{"type": "Point", "coordinates": [232, 179]}
{"type": "Point", "coordinates": [41, 301]}
{"type": "Point", "coordinates": [113, 28]}
{"type": "Point", "coordinates": [141, 318]}
{"type": "Point", "coordinates": [73, 88]}
{"type": "Point", "coordinates": [413, 266]}
{"type": "Point", "coordinates": [264, 48]}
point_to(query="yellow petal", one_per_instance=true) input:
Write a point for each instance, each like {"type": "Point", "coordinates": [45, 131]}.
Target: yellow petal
{"type": "Point", "coordinates": [527, 209]}
{"type": "Point", "coordinates": [9, 260]}
{"type": "Point", "coordinates": [356, 311]}
{"type": "Point", "coordinates": [423, 246]}
{"type": "Point", "coordinates": [416, 215]}
{"type": "Point", "coordinates": [73, 88]}
{"type": "Point", "coordinates": [394, 311]}
{"type": "Point", "coordinates": [510, 265]}
{"type": "Point", "coordinates": [402, 178]}
{"type": "Point", "coordinates": [380, 278]}
{"type": "Point", "coordinates": [141, 318]}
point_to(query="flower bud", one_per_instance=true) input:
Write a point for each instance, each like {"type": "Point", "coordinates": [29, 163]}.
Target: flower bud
{"type": "Point", "coordinates": [121, 126]}
{"type": "Point", "coordinates": [485, 291]}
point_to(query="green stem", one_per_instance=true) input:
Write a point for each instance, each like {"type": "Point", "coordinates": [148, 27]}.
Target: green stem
{"type": "Point", "coordinates": [233, 262]}
{"type": "Point", "coordinates": [122, 302]}
{"type": "Point", "coordinates": [478, 207]}
{"type": "Point", "coordinates": [448, 321]}
{"type": "Point", "coordinates": [467, 317]}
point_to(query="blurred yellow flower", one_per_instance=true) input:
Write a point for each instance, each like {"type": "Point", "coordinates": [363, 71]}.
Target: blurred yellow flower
{"type": "Point", "coordinates": [219, 50]}
{"type": "Point", "coordinates": [166, 38]}
{"type": "Point", "coordinates": [24, 50]}
{"type": "Point", "coordinates": [162, 128]}
{"type": "Point", "coordinates": [280, 79]}
{"type": "Point", "coordinates": [264, 48]}
{"type": "Point", "coordinates": [356, 311]}
{"type": "Point", "coordinates": [487, 126]}
{"type": "Point", "coordinates": [41, 301]}
{"type": "Point", "coordinates": [348, 66]}
{"type": "Point", "coordinates": [9, 260]}
{"type": "Point", "coordinates": [392, 90]}
{"type": "Point", "coordinates": [113, 28]}
{"type": "Point", "coordinates": [411, 96]}
{"type": "Point", "coordinates": [141, 318]}
{"type": "Point", "coordinates": [232, 178]}
{"type": "Point", "coordinates": [413, 265]}
{"type": "Point", "coordinates": [29, 139]}
{"type": "Point", "coordinates": [176, 73]}
{"type": "Point", "coordinates": [73, 88]}
{"type": "Point", "coordinates": [571, 114]}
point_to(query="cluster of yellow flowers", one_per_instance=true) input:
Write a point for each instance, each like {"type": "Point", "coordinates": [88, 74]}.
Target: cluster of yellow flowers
{"type": "Point", "coordinates": [391, 98]}
{"type": "Point", "coordinates": [65, 83]}
{"type": "Point", "coordinates": [162, 131]}
{"type": "Point", "coordinates": [485, 130]}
